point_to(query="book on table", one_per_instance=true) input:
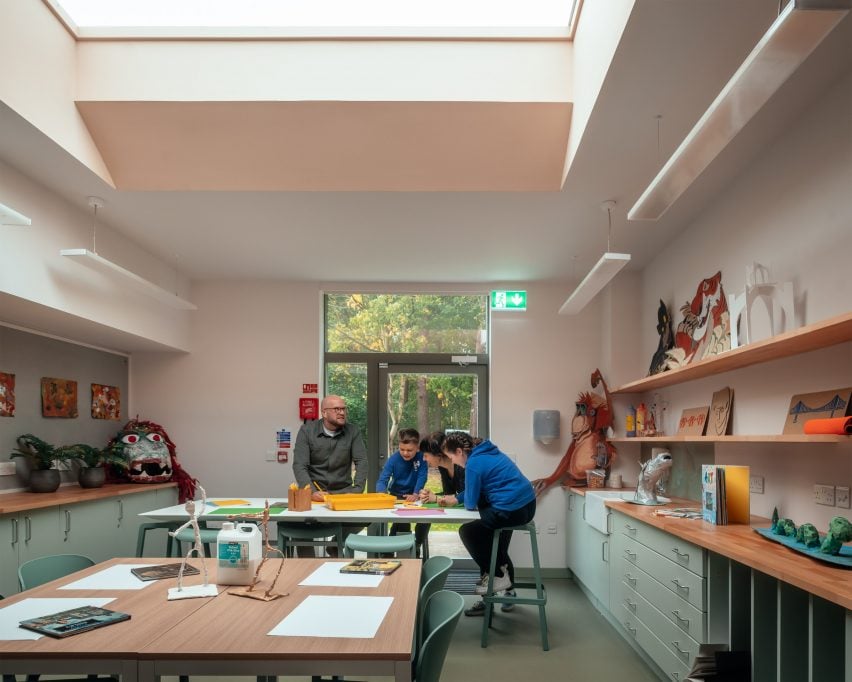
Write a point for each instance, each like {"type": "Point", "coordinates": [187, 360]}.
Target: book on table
{"type": "Point", "coordinates": [162, 571]}
{"type": "Point", "coordinates": [371, 566]}
{"type": "Point", "coordinates": [73, 621]}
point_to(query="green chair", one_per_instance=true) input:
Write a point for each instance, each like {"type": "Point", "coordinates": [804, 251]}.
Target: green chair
{"type": "Point", "coordinates": [143, 534]}
{"type": "Point", "coordinates": [432, 579]}
{"type": "Point", "coordinates": [291, 535]}
{"type": "Point", "coordinates": [438, 623]}
{"type": "Point", "coordinates": [208, 537]}
{"type": "Point", "coordinates": [380, 544]}
{"type": "Point", "coordinates": [540, 598]}
{"type": "Point", "coordinates": [44, 569]}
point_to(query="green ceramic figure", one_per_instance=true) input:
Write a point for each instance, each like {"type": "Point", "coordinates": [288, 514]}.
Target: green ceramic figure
{"type": "Point", "coordinates": [774, 519]}
{"type": "Point", "coordinates": [808, 535]}
{"type": "Point", "coordinates": [839, 531]}
{"type": "Point", "coordinates": [785, 527]}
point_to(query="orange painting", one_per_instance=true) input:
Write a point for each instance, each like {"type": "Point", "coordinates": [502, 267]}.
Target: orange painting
{"type": "Point", "coordinates": [58, 398]}
{"type": "Point", "coordinates": [106, 402]}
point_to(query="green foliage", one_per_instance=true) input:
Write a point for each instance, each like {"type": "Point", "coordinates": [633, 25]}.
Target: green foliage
{"type": "Point", "coordinates": [839, 531]}
{"type": "Point", "coordinates": [90, 456]}
{"type": "Point", "coordinates": [38, 453]}
{"type": "Point", "coordinates": [808, 535]}
{"type": "Point", "coordinates": [785, 527]}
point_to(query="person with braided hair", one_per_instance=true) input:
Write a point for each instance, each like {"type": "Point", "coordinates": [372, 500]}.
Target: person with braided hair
{"type": "Point", "coordinates": [504, 497]}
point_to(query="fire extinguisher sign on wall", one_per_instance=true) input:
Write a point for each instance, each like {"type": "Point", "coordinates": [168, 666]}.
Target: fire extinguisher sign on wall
{"type": "Point", "coordinates": [308, 408]}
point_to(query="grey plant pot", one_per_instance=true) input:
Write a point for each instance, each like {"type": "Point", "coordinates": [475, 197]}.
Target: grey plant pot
{"type": "Point", "coordinates": [44, 480]}
{"type": "Point", "coordinates": [91, 477]}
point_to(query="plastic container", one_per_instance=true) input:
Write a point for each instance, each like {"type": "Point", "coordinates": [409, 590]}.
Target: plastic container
{"type": "Point", "coordinates": [630, 422]}
{"type": "Point", "coordinates": [595, 478]}
{"type": "Point", "coordinates": [641, 416]}
{"type": "Point", "coordinates": [238, 551]}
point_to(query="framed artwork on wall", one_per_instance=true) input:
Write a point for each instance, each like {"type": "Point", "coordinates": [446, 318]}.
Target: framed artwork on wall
{"type": "Point", "coordinates": [819, 405]}
{"type": "Point", "coordinates": [106, 402]}
{"type": "Point", "coordinates": [7, 394]}
{"type": "Point", "coordinates": [58, 398]}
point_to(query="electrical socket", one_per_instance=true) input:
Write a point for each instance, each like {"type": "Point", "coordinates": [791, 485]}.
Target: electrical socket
{"type": "Point", "coordinates": [755, 484]}
{"type": "Point", "coordinates": [7, 468]}
{"type": "Point", "coordinates": [551, 528]}
{"type": "Point", "coordinates": [824, 494]}
{"type": "Point", "coordinates": [841, 496]}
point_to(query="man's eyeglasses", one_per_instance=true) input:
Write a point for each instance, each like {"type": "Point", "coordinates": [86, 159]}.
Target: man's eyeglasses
{"type": "Point", "coordinates": [336, 409]}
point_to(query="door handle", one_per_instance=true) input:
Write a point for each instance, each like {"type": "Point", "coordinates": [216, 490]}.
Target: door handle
{"type": "Point", "coordinates": [14, 531]}
{"type": "Point", "coordinates": [28, 529]}
{"type": "Point", "coordinates": [67, 524]}
{"type": "Point", "coordinates": [120, 513]}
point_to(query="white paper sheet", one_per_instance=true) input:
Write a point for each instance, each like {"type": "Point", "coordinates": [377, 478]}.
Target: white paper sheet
{"type": "Point", "coordinates": [326, 616]}
{"type": "Point", "coordinates": [112, 578]}
{"type": "Point", "coordinates": [35, 607]}
{"type": "Point", "coordinates": [329, 575]}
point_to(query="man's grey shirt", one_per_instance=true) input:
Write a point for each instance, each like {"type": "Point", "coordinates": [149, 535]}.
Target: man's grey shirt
{"type": "Point", "coordinates": [327, 460]}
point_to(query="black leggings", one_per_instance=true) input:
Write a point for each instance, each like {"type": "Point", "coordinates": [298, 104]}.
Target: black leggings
{"type": "Point", "coordinates": [477, 536]}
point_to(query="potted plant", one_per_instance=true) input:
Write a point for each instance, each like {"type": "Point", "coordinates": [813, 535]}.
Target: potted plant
{"type": "Point", "coordinates": [41, 457]}
{"type": "Point", "coordinates": [92, 472]}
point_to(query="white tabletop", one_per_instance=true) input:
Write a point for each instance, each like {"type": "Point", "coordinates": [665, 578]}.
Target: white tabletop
{"type": "Point", "coordinates": [318, 513]}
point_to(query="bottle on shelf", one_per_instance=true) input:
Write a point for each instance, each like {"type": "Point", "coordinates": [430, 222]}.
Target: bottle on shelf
{"type": "Point", "coordinates": [641, 417]}
{"type": "Point", "coordinates": [630, 422]}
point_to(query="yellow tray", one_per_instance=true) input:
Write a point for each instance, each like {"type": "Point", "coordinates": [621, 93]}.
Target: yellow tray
{"type": "Point", "coordinates": [356, 501]}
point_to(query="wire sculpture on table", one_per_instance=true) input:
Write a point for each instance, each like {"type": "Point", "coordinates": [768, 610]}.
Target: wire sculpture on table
{"type": "Point", "coordinates": [249, 591]}
{"type": "Point", "coordinates": [205, 590]}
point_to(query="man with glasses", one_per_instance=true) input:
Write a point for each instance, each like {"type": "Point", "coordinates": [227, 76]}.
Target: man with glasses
{"type": "Point", "coordinates": [325, 453]}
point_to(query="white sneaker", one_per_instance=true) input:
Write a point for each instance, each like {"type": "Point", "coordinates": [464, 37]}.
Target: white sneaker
{"type": "Point", "coordinates": [501, 582]}
{"type": "Point", "coordinates": [508, 606]}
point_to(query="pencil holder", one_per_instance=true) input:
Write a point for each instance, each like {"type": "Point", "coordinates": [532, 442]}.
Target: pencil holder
{"type": "Point", "coordinates": [299, 499]}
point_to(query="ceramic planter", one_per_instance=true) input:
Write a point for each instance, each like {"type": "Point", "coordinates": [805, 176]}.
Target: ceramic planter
{"type": "Point", "coordinates": [91, 477]}
{"type": "Point", "coordinates": [44, 480]}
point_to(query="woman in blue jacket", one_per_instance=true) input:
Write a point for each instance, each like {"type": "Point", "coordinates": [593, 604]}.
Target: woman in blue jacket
{"type": "Point", "coordinates": [504, 497]}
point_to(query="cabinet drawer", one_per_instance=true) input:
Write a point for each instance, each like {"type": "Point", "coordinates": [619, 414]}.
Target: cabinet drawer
{"type": "Point", "coordinates": [658, 652]}
{"type": "Point", "coordinates": [683, 582]}
{"type": "Point", "coordinates": [684, 647]}
{"type": "Point", "coordinates": [684, 615]}
{"type": "Point", "coordinates": [681, 552]}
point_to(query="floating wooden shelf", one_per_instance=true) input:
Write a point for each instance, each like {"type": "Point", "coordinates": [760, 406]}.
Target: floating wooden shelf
{"type": "Point", "coordinates": [791, 438]}
{"type": "Point", "coordinates": [822, 334]}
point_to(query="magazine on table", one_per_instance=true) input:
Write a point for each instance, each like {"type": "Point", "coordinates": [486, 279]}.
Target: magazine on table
{"type": "Point", "coordinates": [162, 571]}
{"type": "Point", "coordinates": [73, 621]}
{"type": "Point", "coordinates": [371, 566]}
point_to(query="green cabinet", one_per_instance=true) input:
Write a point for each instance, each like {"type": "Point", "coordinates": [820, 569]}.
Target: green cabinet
{"type": "Point", "coordinates": [588, 553]}
{"type": "Point", "coordinates": [25, 536]}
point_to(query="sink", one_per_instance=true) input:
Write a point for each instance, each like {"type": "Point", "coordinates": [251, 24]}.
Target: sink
{"type": "Point", "coordinates": [596, 512]}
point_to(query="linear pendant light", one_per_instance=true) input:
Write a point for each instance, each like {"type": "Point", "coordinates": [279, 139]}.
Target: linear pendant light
{"type": "Point", "coordinates": [799, 28]}
{"type": "Point", "coordinates": [92, 260]}
{"type": "Point", "coordinates": [599, 276]}
{"type": "Point", "coordinates": [9, 216]}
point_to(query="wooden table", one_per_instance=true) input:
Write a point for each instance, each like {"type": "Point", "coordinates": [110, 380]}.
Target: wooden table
{"type": "Point", "coordinates": [220, 635]}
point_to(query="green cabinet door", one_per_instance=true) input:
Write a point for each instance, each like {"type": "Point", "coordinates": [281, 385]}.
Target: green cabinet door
{"type": "Point", "coordinates": [10, 538]}
{"type": "Point", "coordinates": [88, 528]}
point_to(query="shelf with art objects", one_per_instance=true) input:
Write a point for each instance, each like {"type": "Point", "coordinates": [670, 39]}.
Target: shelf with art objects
{"type": "Point", "coordinates": [41, 458]}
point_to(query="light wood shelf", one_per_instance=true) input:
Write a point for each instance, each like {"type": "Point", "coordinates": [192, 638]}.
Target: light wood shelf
{"type": "Point", "coordinates": [790, 438]}
{"type": "Point", "coordinates": [822, 334]}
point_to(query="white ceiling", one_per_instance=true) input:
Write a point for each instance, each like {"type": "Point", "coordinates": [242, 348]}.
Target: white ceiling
{"type": "Point", "coordinates": [672, 60]}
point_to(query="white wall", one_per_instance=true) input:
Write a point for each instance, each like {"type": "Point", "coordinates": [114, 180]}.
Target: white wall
{"type": "Point", "coordinates": [790, 210]}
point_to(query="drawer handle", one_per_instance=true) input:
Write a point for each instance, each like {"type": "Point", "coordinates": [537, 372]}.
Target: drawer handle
{"type": "Point", "coordinates": [678, 586]}
{"type": "Point", "coordinates": [629, 528]}
{"type": "Point", "coordinates": [630, 579]}
{"type": "Point", "coordinates": [630, 604]}
{"type": "Point", "coordinates": [675, 676]}
{"type": "Point", "coordinates": [683, 653]}
{"type": "Point", "coordinates": [679, 619]}
{"type": "Point", "coordinates": [14, 531]}
{"type": "Point", "coordinates": [680, 555]}
{"type": "Point", "coordinates": [630, 556]}
{"type": "Point", "coordinates": [631, 630]}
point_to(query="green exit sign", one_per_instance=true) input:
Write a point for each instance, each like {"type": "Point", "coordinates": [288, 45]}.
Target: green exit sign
{"type": "Point", "coordinates": [508, 300]}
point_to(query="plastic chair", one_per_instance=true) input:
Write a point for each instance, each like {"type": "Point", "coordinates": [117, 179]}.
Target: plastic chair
{"type": "Point", "coordinates": [292, 535]}
{"type": "Point", "coordinates": [380, 544]}
{"type": "Point", "coordinates": [438, 622]}
{"type": "Point", "coordinates": [44, 569]}
{"type": "Point", "coordinates": [541, 595]}
{"type": "Point", "coordinates": [208, 537]}
{"type": "Point", "coordinates": [143, 533]}
{"type": "Point", "coordinates": [432, 579]}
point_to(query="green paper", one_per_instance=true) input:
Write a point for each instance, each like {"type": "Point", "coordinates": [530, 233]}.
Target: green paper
{"type": "Point", "coordinates": [244, 511]}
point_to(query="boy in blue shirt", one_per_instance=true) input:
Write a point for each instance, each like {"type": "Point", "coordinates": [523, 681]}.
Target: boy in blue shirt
{"type": "Point", "coordinates": [404, 475]}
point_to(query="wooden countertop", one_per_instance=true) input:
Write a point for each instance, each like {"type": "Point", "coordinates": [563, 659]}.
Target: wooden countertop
{"type": "Point", "coordinates": [740, 543]}
{"type": "Point", "coordinates": [11, 503]}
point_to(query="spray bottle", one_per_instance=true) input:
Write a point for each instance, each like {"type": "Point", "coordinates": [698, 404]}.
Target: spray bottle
{"type": "Point", "coordinates": [238, 551]}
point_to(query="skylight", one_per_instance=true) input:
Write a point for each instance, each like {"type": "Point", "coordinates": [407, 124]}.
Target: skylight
{"type": "Point", "coordinates": [533, 18]}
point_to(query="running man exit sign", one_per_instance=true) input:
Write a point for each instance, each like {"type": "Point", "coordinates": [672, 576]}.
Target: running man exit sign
{"type": "Point", "coordinates": [508, 300]}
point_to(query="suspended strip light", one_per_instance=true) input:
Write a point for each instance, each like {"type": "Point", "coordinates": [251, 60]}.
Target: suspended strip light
{"type": "Point", "coordinates": [599, 276]}
{"type": "Point", "coordinates": [9, 216]}
{"type": "Point", "coordinates": [799, 28]}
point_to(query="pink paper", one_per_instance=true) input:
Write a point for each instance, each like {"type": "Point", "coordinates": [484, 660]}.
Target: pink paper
{"type": "Point", "coordinates": [413, 511]}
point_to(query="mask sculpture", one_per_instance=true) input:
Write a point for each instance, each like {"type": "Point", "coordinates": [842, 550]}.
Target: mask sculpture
{"type": "Point", "coordinates": [589, 447]}
{"type": "Point", "coordinates": [649, 477]}
{"type": "Point", "coordinates": [149, 456]}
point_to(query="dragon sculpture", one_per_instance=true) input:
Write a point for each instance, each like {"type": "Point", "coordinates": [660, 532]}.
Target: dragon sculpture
{"type": "Point", "coordinates": [589, 447]}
